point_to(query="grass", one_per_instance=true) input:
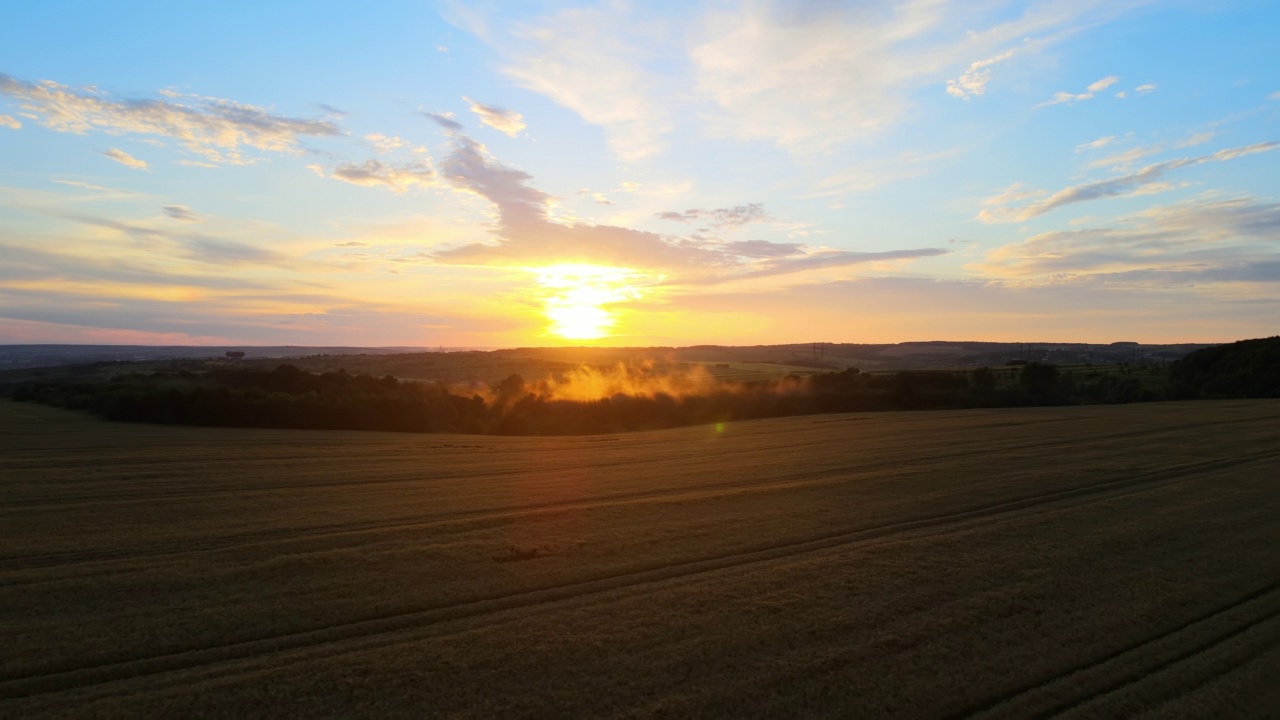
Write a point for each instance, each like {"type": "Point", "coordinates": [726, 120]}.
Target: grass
{"type": "Point", "coordinates": [1095, 561]}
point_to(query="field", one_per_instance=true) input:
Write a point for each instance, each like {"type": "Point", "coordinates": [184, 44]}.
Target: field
{"type": "Point", "coordinates": [1086, 561]}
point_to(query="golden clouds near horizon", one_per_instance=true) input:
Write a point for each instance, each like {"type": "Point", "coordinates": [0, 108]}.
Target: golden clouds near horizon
{"type": "Point", "coordinates": [576, 298]}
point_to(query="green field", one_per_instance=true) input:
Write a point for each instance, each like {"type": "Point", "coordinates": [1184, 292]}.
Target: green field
{"type": "Point", "coordinates": [1088, 561]}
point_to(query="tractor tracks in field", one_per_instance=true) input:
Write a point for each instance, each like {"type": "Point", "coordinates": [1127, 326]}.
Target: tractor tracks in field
{"type": "Point", "coordinates": [1220, 640]}
{"type": "Point", "coordinates": [150, 493]}
{"type": "Point", "coordinates": [18, 685]}
{"type": "Point", "coordinates": [466, 519]}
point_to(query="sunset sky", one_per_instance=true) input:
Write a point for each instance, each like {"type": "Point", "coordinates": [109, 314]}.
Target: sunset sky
{"type": "Point", "coordinates": [645, 173]}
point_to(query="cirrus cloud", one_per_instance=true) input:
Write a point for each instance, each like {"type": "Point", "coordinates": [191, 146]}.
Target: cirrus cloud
{"type": "Point", "coordinates": [125, 159]}
{"type": "Point", "coordinates": [507, 122]}
{"type": "Point", "coordinates": [1140, 182]}
{"type": "Point", "coordinates": [219, 130]}
{"type": "Point", "coordinates": [374, 173]}
{"type": "Point", "coordinates": [1197, 241]}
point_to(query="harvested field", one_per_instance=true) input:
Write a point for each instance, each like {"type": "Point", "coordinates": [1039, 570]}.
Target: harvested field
{"type": "Point", "coordinates": [1089, 561]}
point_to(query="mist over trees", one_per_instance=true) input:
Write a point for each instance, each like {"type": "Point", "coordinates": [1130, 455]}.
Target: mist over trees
{"type": "Point", "coordinates": [288, 397]}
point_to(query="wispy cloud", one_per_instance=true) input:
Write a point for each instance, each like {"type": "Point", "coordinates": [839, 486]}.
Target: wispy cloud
{"type": "Point", "coordinates": [727, 218]}
{"type": "Point", "coordinates": [526, 234]}
{"type": "Point", "coordinates": [507, 122]}
{"type": "Point", "coordinates": [1095, 144]}
{"type": "Point", "coordinates": [10, 122]}
{"type": "Point", "coordinates": [201, 247]}
{"type": "Point", "coordinates": [820, 75]}
{"type": "Point", "coordinates": [125, 159]}
{"type": "Point", "coordinates": [1144, 89]}
{"type": "Point", "coordinates": [818, 260]}
{"type": "Point", "coordinates": [1060, 98]}
{"type": "Point", "coordinates": [1124, 161]}
{"type": "Point", "coordinates": [808, 77]}
{"type": "Point", "coordinates": [445, 120]}
{"type": "Point", "coordinates": [385, 143]}
{"type": "Point", "coordinates": [1134, 183]}
{"type": "Point", "coordinates": [1185, 243]}
{"type": "Point", "coordinates": [974, 80]}
{"type": "Point", "coordinates": [596, 62]}
{"type": "Point", "coordinates": [181, 212]}
{"type": "Point", "coordinates": [214, 128]}
{"type": "Point", "coordinates": [876, 172]}
{"type": "Point", "coordinates": [90, 186]}
{"type": "Point", "coordinates": [375, 173]}
{"type": "Point", "coordinates": [1197, 139]}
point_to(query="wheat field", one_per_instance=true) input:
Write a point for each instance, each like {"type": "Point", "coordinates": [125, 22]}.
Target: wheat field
{"type": "Point", "coordinates": [1093, 561]}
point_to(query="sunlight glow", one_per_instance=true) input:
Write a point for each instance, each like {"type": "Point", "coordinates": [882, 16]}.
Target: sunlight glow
{"type": "Point", "coordinates": [575, 298]}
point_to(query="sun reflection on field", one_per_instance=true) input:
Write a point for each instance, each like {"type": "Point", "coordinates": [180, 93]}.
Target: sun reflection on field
{"type": "Point", "coordinates": [576, 298]}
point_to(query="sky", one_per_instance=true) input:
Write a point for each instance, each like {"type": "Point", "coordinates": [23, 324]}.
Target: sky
{"type": "Point", "coordinates": [486, 174]}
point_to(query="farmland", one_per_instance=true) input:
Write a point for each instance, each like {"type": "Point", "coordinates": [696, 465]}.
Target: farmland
{"type": "Point", "coordinates": [1085, 561]}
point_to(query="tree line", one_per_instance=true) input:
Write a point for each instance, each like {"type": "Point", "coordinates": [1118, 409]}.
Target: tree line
{"type": "Point", "coordinates": [288, 397]}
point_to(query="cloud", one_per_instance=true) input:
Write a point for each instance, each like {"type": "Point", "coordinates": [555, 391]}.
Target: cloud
{"type": "Point", "coordinates": [763, 249]}
{"type": "Point", "coordinates": [806, 77]}
{"type": "Point", "coordinates": [1144, 89]}
{"type": "Point", "coordinates": [351, 243]}
{"type": "Point", "coordinates": [446, 121]}
{"type": "Point", "coordinates": [1094, 88]}
{"type": "Point", "coordinates": [876, 172]}
{"type": "Point", "coordinates": [820, 260]}
{"type": "Point", "coordinates": [526, 235]}
{"type": "Point", "coordinates": [508, 122]}
{"type": "Point", "coordinates": [1012, 194]}
{"type": "Point", "coordinates": [813, 76]}
{"type": "Point", "coordinates": [214, 128]}
{"type": "Point", "coordinates": [1124, 161]}
{"type": "Point", "coordinates": [1095, 144]}
{"type": "Point", "coordinates": [375, 173]}
{"type": "Point", "coordinates": [974, 81]}
{"type": "Point", "coordinates": [1133, 183]}
{"type": "Point", "coordinates": [197, 246]}
{"type": "Point", "coordinates": [1197, 139]}
{"type": "Point", "coordinates": [10, 122]}
{"type": "Point", "coordinates": [1185, 243]}
{"type": "Point", "coordinates": [893, 309]}
{"type": "Point", "coordinates": [596, 63]}
{"type": "Point", "coordinates": [385, 143]}
{"type": "Point", "coordinates": [125, 159]}
{"type": "Point", "coordinates": [91, 186]}
{"type": "Point", "coordinates": [181, 212]}
{"type": "Point", "coordinates": [1103, 84]}
{"type": "Point", "coordinates": [727, 218]}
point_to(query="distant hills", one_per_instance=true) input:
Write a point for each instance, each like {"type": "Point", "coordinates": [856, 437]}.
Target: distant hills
{"type": "Point", "coordinates": [25, 356]}
{"type": "Point", "coordinates": [939, 354]}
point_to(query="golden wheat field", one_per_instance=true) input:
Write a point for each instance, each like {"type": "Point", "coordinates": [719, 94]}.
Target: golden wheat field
{"type": "Point", "coordinates": [1085, 562]}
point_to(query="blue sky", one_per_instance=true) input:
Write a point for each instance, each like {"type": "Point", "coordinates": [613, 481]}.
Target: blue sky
{"type": "Point", "coordinates": [499, 174]}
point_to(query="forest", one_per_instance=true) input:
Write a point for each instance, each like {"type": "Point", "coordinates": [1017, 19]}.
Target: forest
{"type": "Point", "coordinates": [288, 397]}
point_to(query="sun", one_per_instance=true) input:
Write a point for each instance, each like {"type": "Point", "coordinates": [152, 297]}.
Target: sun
{"type": "Point", "coordinates": [576, 297]}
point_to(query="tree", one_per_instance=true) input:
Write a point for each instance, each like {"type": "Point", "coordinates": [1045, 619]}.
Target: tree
{"type": "Point", "coordinates": [1039, 378]}
{"type": "Point", "coordinates": [983, 379]}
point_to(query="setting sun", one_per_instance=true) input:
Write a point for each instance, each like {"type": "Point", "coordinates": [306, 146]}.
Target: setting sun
{"type": "Point", "coordinates": [576, 297]}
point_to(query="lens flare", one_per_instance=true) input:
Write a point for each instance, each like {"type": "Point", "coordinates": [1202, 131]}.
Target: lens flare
{"type": "Point", "coordinates": [576, 298]}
